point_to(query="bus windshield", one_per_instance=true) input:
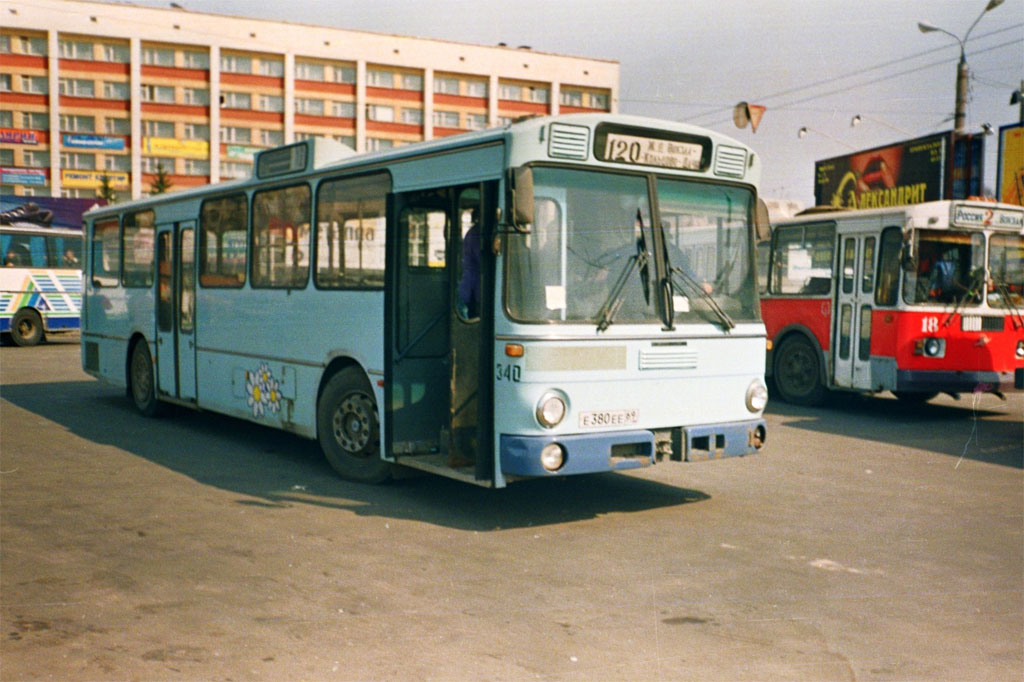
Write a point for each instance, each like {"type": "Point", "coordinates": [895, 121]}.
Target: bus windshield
{"type": "Point", "coordinates": [589, 225]}
{"type": "Point", "coordinates": [949, 268]}
{"type": "Point", "coordinates": [1006, 267]}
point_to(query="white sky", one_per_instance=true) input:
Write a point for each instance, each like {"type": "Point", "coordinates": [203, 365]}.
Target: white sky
{"type": "Point", "coordinates": [693, 60]}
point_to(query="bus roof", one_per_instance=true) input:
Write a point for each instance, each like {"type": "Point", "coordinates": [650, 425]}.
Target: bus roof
{"type": "Point", "coordinates": [947, 213]}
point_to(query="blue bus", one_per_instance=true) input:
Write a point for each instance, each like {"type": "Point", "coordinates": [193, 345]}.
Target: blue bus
{"type": "Point", "coordinates": [559, 296]}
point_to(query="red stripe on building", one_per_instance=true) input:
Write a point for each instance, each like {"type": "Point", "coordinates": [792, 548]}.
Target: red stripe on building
{"type": "Point", "coordinates": [385, 127]}
{"type": "Point", "coordinates": [93, 67]}
{"type": "Point", "coordinates": [251, 79]}
{"type": "Point", "coordinates": [175, 73]}
{"type": "Point", "coordinates": [250, 115]}
{"type": "Point", "coordinates": [460, 101]}
{"type": "Point", "coordinates": [326, 121]}
{"type": "Point", "coordinates": [24, 61]}
{"type": "Point", "coordinates": [183, 109]}
{"type": "Point", "coordinates": [94, 103]}
{"type": "Point", "coordinates": [25, 98]}
{"type": "Point", "coordinates": [391, 93]}
{"type": "Point", "coordinates": [522, 107]}
{"type": "Point", "coordinates": [323, 86]}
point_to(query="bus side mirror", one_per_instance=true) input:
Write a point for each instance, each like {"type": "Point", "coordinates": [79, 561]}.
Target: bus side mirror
{"type": "Point", "coordinates": [522, 198]}
{"type": "Point", "coordinates": [908, 259]}
{"type": "Point", "coordinates": [762, 223]}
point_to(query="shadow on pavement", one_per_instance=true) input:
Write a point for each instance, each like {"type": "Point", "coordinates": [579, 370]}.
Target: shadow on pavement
{"type": "Point", "coordinates": [970, 428]}
{"type": "Point", "coordinates": [274, 468]}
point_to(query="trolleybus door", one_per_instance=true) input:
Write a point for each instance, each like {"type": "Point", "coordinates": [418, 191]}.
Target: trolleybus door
{"type": "Point", "coordinates": [175, 319]}
{"type": "Point", "coordinates": [851, 342]}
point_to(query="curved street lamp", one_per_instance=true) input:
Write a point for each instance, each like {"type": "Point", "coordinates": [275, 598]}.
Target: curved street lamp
{"type": "Point", "coordinates": [960, 114]}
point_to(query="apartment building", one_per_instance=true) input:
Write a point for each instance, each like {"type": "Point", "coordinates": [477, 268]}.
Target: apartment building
{"type": "Point", "coordinates": [94, 92]}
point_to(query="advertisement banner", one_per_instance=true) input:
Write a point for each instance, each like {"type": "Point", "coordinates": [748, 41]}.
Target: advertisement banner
{"type": "Point", "coordinates": [12, 136]}
{"type": "Point", "coordinates": [22, 176]}
{"type": "Point", "coordinates": [241, 152]}
{"type": "Point", "coordinates": [184, 149]}
{"type": "Point", "coordinates": [908, 172]}
{"type": "Point", "coordinates": [1010, 169]}
{"type": "Point", "coordinates": [93, 142]}
{"type": "Point", "coordinates": [93, 179]}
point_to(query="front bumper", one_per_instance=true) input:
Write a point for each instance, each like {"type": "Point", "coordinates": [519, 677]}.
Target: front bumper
{"type": "Point", "coordinates": [948, 381]}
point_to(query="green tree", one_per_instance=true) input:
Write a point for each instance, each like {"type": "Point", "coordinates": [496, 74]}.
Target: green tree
{"type": "Point", "coordinates": [106, 189]}
{"type": "Point", "coordinates": [161, 183]}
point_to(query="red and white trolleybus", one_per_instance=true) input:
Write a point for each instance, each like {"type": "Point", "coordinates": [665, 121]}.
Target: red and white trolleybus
{"type": "Point", "coordinates": [916, 300]}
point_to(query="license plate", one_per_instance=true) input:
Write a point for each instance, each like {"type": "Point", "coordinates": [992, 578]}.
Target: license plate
{"type": "Point", "coordinates": [590, 420]}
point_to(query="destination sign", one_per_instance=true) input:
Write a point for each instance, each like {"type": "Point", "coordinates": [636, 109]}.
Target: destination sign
{"type": "Point", "coordinates": [649, 151]}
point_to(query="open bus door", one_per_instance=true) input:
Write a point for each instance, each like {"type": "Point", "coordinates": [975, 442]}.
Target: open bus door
{"type": "Point", "coordinates": [175, 319]}
{"type": "Point", "coordinates": [435, 381]}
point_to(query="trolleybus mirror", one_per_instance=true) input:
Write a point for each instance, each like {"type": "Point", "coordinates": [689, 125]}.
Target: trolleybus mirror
{"type": "Point", "coordinates": [762, 223]}
{"type": "Point", "coordinates": [908, 259]}
{"type": "Point", "coordinates": [522, 198]}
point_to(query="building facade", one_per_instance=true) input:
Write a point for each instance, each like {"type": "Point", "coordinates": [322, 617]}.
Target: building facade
{"type": "Point", "coordinates": [94, 93]}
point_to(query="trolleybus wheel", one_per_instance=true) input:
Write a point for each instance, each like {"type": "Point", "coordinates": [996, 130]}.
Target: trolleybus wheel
{"type": "Point", "coordinates": [915, 396]}
{"type": "Point", "coordinates": [797, 373]}
{"type": "Point", "coordinates": [348, 429]}
{"type": "Point", "coordinates": [26, 327]}
{"type": "Point", "coordinates": [143, 386]}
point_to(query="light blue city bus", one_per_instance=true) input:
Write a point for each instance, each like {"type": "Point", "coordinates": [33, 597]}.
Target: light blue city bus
{"type": "Point", "coordinates": [562, 295]}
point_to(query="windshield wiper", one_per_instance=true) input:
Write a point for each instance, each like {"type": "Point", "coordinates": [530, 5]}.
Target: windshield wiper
{"type": "Point", "coordinates": [689, 282]}
{"type": "Point", "coordinates": [640, 260]}
{"type": "Point", "coordinates": [1004, 293]}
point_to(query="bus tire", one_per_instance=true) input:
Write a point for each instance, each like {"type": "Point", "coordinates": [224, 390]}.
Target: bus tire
{"type": "Point", "coordinates": [348, 428]}
{"type": "Point", "coordinates": [141, 382]}
{"type": "Point", "coordinates": [798, 372]}
{"type": "Point", "coordinates": [914, 397]}
{"type": "Point", "coordinates": [26, 327]}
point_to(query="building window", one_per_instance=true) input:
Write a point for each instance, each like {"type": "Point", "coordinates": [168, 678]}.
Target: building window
{"type": "Point", "coordinates": [280, 237]}
{"type": "Point", "coordinates": [196, 96]}
{"type": "Point", "coordinates": [271, 67]}
{"type": "Point", "coordinates": [195, 60]}
{"type": "Point", "coordinates": [75, 193]}
{"type": "Point", "coordinates": [77, 161]}
{"type": "Point", "coordinates": [197, 131]}
{"type": "Point", "coordinates": [380, 112]}
{"type": "Point", "coordinates": [118, 54]}
{"type": "Point", "coordinates": [35, 158]}
{"type": "Point", "coordinates": [234, 63]}
{"type": "Point", "coordinates": [153, 164]}
{"type": "Point", "coordinates": [272, 138]}
{"type": "Point", "coordinates": [6, 119]}
{"type": "Point", "coordinates": [236, 100]}
{"type": "Point", "coordinates": [158, 93]}
{"type": "Point", "coordinates": [476, 121]}
{"type": "Point", "coordinates": [344, 74]}
{"type": "Point", "coordinates": [158, 128]}
{"type": "Point", "coordinates": [233, 134]}
{"type": "Point", "coordinates": [6, 157]}
{"type": "Point", "coordinates": [117, 162]}
{"type": "Point", "coordinates": [599, 101]}
{"type": "Point", "coordinates": [446, 86]}
{"type": "Point", "coordinates": [376, 143]}
{"type": "Point", "coordinates": [5, 44]}
{"type": "Point", "coordinates": [223, 231]}
{"type": "Point", "coordinates": [476, 88]}
{"type": "Point", "coordinates": [411, 81]}
{"type": "Point", "coordinates": [539, 95]}
{"type": "Point", "coordinates": [347, 140]}
{"type": "Point", "coordinates": [33, 45]}
{"type": "Point", "coordinates": [570, 98]}
{"type": "Point", "coordinates": [343, 109]}
{"type": "Point", "coordinates": [446, 119]}
{"type": "Point", "coordinates": [75, 49]}
{"type": "Point", "coordinates": [5, 82]}
{"type": "Point", "coordinates": [302, 136]}
{"type": "Point", "coordinates": [35, 120]}
{"type": "Point", "coordinates": [77, 87]}
{"type": "Point", "coordinates": [112, 90]}
{"type": "Point", "coordinates": [412, 116]}
{"type": "Point", "coordinates": [118, 126]}
{"type": "Point", "coordinates": [197, 167]}
{"type": "Point", "coordinates": [78, 124]}
{"type": "Point", "coordinates": [309, 72]}
{"type": "Point", "coordinates": [313, 107]}
{"type": "Point", "coordinates": [271, 103]}
{"type": "Point", "coordinates": [230, 170]}
{"type": "Point", "coordinates": [35, 84]}
{"type": "Point", "coordinates": [158, 56]}
{"type": "Point", "coordinates": [380, 79]}
{"type": "Point", "coordinates": [511, 92]}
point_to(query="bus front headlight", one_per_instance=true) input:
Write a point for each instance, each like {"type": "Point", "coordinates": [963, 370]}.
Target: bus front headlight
{"type": "Point", "coordinates": [550, 410]}
{"type": "Point", "coordinates": [552, 457]}
{"type": "Point", "coordinates": [757, 396]}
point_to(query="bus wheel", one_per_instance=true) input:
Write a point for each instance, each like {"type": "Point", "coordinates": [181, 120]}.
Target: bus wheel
{"type": "Point", "coordinates": [797, 374]}
{"type": "Point", "coordinates": [26, 327]}
{"type": "Point", "coordinates": [915, 396]}
{"type": "Point", "coordinates": [348, 429]}
{"type": "Point", "coordinates": [143, 386]}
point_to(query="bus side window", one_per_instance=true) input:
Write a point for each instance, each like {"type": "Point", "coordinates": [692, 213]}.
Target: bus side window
{"type": "Point", "coordinates": [350, 232]}
{"type": "Point", "coordinates": [106, 253]}
{"type": "Point", "coordinates": [889, 266]}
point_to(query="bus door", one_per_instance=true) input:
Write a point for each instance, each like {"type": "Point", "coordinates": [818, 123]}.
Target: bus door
{"type": "Point", "coordinates": [175, 318]}
{"type": "Point", "coordinates": [851, 342]}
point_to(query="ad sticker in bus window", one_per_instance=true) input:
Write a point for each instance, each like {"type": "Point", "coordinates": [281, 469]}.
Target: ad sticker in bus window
{"type": "Point", "coordinates": [555, 297]}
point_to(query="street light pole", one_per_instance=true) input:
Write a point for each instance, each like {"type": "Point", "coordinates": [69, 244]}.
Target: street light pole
{"type": "Point", "coordinates": [960, 112]}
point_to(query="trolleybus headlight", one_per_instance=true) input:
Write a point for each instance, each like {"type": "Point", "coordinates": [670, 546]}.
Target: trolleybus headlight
{"type": "Point", "coordinates": [757, 396]}
{"type": "Point", "coordinates": [1020, 349]}
{"type": "Point", "coordinates": [552, 457]}
{"type": "Point", "coordinates": [930, 347]}
{"type": "Point", "coordinates": [550, 410]}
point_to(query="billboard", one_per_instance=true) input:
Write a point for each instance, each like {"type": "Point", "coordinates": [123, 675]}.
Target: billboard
{"type": "Point", "coordinates": [1010, 169]}
{"type": "Point", "coordinates": [904, 173]}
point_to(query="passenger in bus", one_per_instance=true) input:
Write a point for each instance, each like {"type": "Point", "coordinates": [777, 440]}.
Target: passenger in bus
{"type": "Point", "coordinates": [70, 259]}
{"type": "Point", "coordinates": [943, 282]}
{"type": "Point", "coordinates": [469, 285]}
